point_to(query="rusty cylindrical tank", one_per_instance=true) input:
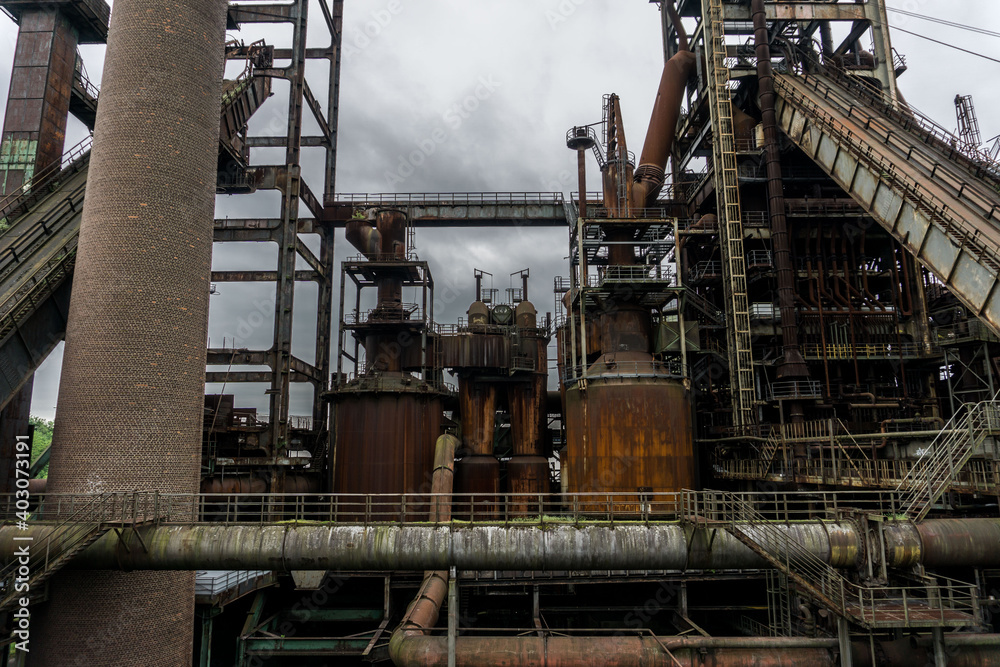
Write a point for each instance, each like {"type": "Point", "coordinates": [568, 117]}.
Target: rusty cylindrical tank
{"type": "Point", "coordinates": [628, 434]}
{"type": "Point", "coordinates": [479, 471]}
{"type": "Point", "coordinates": [629, 430]}
{"type": "Point", "coordinates": [479, 314]}
{"type": "Point", "coordinates": [528, 471]}
{"type": "Point", "coordinates": [384, 441]}
{"type": "Point", "coordinates": [132, 388]}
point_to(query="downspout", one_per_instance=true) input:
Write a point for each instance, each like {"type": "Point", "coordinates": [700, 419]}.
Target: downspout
{"type": "Point", "coordinates": [903, 288]}
{"type": "Point", "coordinates": [873, 298]}
{"type": "Point", "coordinates": [423, 612]}
{"type": "Point", "coordinates": [651, 172]}
{"type": "Point", "coordinates": [817, 301]}
{"type": "Point", "coordinates": [792, 364]}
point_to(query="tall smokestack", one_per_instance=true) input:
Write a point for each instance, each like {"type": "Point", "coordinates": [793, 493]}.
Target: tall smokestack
{"type": "Point", "coordinates": [131, 393]}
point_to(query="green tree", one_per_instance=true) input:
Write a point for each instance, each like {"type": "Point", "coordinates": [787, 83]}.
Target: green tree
{"type": "Point", "coordinates": [41, 441]}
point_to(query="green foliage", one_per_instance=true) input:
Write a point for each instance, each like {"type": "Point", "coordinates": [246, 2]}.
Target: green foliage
{"type": "Point", "coordinates": [42, 440]}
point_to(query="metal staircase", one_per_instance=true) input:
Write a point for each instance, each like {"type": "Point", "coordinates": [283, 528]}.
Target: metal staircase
{"type": "Point", "coordinates": [39, 230]}
{"type": "Point", "coordinates": [704, 306]}
{"type": "Point", "coordinates": [49, 555]}
{"type": "Point", "coordinates": [37, 255]}
{"type": "Point", "coordinates": [950, 451]}
{"type": "Point", "coordinates": [779, 605]}
{"type": "Point", "coordinates": [769, 450]}
{"type": "Point", "coordinates": [934, 603]}
{"type": "Point", "coordinates": [730, 217]}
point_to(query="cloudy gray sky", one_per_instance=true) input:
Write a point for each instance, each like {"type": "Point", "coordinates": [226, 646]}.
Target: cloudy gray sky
{"type": "Point", "coordinates": [539, 67]}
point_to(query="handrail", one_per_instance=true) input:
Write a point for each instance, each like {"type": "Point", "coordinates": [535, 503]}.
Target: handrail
{"type": "Point", "coordinates": [442, 197]}
{"type": "Point", "coordinates": [41, 554]}
{"type": "Point", "coordinates": [625, 369]}
{"type": "Point", "coordinates": [29, 191]}
{"type": "Point", "coordinates": [936, 601]}
{"type": "Point", "coordinates": [410, 508]}
{"type": "Point", "coordinates": [978, 475]}
{"type": "Point", "coordinates": [906, 116]}
{"type": "Point", "coordinates": [947, 455]}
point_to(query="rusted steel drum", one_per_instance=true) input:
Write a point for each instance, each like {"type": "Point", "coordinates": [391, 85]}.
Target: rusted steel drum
{"type": "Point", "coordinates": [475, 350]}
{"type": "Point", "coordinates": [479, 314]}
{"type": "Point", "coordinates": [478, 404]}
{"type": "Point", "coordinates": [477, 485]}
{"type": "Point", "coordinates": [527, 415]}
{"type": "Point", "coordinates": [528, 484]}
{"type": "Point", "coordinates": [384, 444]}
{"type": "Point", "coordinates": [627, 435]}
{"type": "Point", "coordinates": [478, 472]}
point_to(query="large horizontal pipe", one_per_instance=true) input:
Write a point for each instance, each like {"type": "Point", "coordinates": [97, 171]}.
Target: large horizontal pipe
{"type": "Point", "coordinates": [416, 547]}
{"type": "Point", "coordinates": [283, 547]}
{"type": "Point", "coordinates": [943, 543]}
{"type": "Point", "coordinates": [647, 651]}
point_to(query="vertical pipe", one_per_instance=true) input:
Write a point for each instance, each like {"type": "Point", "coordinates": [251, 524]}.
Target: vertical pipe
{"type": "Point", "coordinates": [940, 657]}
{"type": "Point", "coordinates": [138, 323]}
{"type": "Point", "coordinates": [582, 294]}
{"type": "Point", "coordinates": [205, 652]}
{"type": "Point", "coordinates": [682, 327]}
{"type": "Point", "coordinates": [844, 639]}
{"type": "Point", "coordinates": [792, 365]}
{"type": "Point", "coordinates": [452, 615]}
{"type": "Point", "coordinates": [826, 37]}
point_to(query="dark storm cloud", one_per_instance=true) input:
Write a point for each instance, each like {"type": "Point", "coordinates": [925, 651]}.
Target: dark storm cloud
{"type": "Point", "coordinates": [407, 63]}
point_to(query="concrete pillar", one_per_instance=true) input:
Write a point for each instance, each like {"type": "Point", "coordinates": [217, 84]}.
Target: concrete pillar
{"type": "Point", "coordinates": [131, 395]}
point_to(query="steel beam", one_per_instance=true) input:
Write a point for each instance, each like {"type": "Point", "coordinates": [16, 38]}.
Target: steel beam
{"type": "Point", "coordinates": [261, 276]}
{"type": "Point", "coordinates": [479, 210]}
{"type": "Point", "coordinates": [799, 11]}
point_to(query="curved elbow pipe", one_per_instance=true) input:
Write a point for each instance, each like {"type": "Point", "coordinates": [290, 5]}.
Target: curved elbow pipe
{"type": "Point", "coordinates": [651, 172]}
{"type": "Point", "coordinates": [364, 237]}
{"type": "Point", "coordinates": [423, 612]}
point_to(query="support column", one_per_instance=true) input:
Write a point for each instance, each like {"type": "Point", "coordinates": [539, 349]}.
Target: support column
{"type": "Point", "coordinates": [940, 657]}
{"type": "Point", "coordinates": [41, 84]}
{"type": "Point", "coordinates": [131, 396]}
{"type": "Point", "coordinates": [205, 649]}
{"type": "Point", "coordinates": [844, 639]}
{"type": "Point", "coordinates": [876, 14]}
{"type": "Point", "coordinates": [452, 615]}
{"type": "Point", "coordinates": [34, 131]}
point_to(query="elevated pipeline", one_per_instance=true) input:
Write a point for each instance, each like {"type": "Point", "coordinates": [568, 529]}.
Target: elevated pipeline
{"type": "Point", "coordinates": [668, 546]}
{"type": "Point", "coordinates": [651, 651]}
